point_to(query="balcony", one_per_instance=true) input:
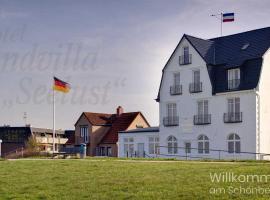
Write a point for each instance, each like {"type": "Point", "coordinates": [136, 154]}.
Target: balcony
{"type": "Point", "coordinates": [49, 140]}
{"type": "Point", "coordinates": [202, 119]}
{"type": "Point", "coordinates": [195, 87]}
{"type": "Point", "coordinates": [171, 121]}
{"type": "Point", "coordinates": [176, 90]}
{"type": "Point", "coordinates": [235, 117]}
{"type": "Point", "coordinates": [233, 84]}
{"type": "Point", "coordinates": [185, 59]}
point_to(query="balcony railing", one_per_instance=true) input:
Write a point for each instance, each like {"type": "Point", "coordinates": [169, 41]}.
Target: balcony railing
{"type": "Point", "coordinates": [195, 87]}
{"type": "Point", "coordinates": [171, 121]}
{"type": "Point", "coordinates": [233, 84]}
{"type": "Point", "coordinates": [176, 89]}
{"type": "Point", "coordinates": [233, 117]}
{"type": "Point", "coordinates": [202, 119]}
{"type": "Point", "coordinates": [185, 59]}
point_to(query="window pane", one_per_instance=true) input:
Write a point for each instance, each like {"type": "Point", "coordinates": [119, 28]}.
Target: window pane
{"type": "Point", "coordinates": [169, 148]}
{"type": "Point", "coordinates": [200, 147]}
{"type": "Point", "coordinates": [131, 148]}
{"type": "Point", "coordinates": [177, 79]}
{"type": "Point", "coordinates": [196, 76]}
{"type": "Point", "coordinates": [175, 147]}
{"type": "Point", "coordinates": [187, 147]}
{"type": "Point", "coordinates": [126, 140]}
{"type": "Point", "coordinates": [125, 148]}
{"type": "Point", "coordinates": [231, 147]}
{"type": "Point", "coordinates": [205, 107]}
{"type": "Point", "coordinates": [151, 139]}
{"type": "Point", "coordinates": [237, 147]}
{"type": "Point", "coordinates": [237, 105]}
{"type": "Point", "coordinates": [236, 137]}
{"type": "Point", "coordinates": [157, 149]}
{"type": "Point", "coordinates": [131, 139]}
{"type": "Point", "coordinates": [206, 148]}
{"type": "Point", "coordinates": [151, 148]}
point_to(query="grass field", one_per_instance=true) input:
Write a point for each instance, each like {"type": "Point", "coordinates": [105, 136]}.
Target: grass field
{"type": "Point", "coordinates": [125, 179]}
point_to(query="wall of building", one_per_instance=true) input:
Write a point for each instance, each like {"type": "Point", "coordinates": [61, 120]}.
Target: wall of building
{"type": "Point", "coordinates": [98, 132]}
{"type": "Point", "coordinates": [139, 138]}
{"type": "Point", "coordinates": [263, 101]}
{"type": "Point", "coordinates": [138, 121]}
{"type": "Point", "coordinates": [217, 131]}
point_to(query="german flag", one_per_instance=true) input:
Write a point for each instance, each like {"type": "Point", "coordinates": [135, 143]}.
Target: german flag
{"type": "Point", "coordinates": [61, 85]}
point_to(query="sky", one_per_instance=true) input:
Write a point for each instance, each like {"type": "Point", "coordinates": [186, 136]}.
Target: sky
{"type": "Point", "coordinates": [112, 52]}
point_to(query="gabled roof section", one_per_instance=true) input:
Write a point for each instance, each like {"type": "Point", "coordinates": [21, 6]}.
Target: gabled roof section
{"type": "Point", "coordinates": [205, 48]}
{"type": "Point", "coordinates": [228, 49]}
{"type": "Point", "coordinates": [121, 123]}
{"type": "Point", "coordinates": [228, 52]}
{"type": "Point", "coordinates": [98, 118]}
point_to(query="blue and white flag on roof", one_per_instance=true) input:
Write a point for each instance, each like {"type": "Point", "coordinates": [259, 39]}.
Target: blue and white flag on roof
{"type": "Point", "coordinates": [228, 17]}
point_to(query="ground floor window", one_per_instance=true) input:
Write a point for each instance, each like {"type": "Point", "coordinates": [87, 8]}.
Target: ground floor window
{"type": "Point", "coordinates": [153, 145]}
{"type": "Point", "coordinates": [188, 147]}
{"type": "Point", "coordinates": [172, 145]}
{"type": "Point", "coordinates": [203, 144]}
{"type": "Point", "coordinates": [109, 151]}
{"type": "Point", "coordinates": [234, 143]}
{"type": "Point", "coordinates": [129, 146]}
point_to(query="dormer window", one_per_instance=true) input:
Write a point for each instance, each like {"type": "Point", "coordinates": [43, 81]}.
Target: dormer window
{"type": "Point", "coordinates": [186, 57]}
{"type": "Point", "coordinates": [233, 79]}
{"type": "Point", "coordinates": [245, 46]}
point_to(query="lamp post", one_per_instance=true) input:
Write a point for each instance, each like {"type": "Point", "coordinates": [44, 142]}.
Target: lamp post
{"type": "Point", "coordinates": [0, 147]}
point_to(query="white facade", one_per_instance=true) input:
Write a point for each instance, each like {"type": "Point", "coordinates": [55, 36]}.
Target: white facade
{"type": "Point", "coordinates": [220, 135]}
{"type": "Point", "coordinates": [252, 130]}
{"type": "Point", "coordinates": [139, 143]}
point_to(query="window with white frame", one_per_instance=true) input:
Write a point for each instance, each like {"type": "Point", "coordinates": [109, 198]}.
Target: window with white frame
{"type": "Point", "coordinates": [233, 78]}
{"type": "Point", "coordinates": [202, 106]}
{"type": "Point", "coordinates": [203, 144]}
{"type": "Point", "coordinates": [234, 113]}
{"type": "Point", "coordinates": [153, 145]}
{"type": "Point", "coordinates": [196, 76]}
{"type": "Point", "coordinates": [172, 145]}
{"type": "Point", "coordinates": [234, 143]}
{"type": "Point", "coordinates": [129, 146]}
{"type": "Point", "coordinates": [176, 79]}
{"type": "Point", "coordinates": [171, 110]}
{"type": "Point", "coordinates": [84, 133]}
{"type": "Point", "coordinates": [186, 54]}
{"type": "Point", "coordinates": [187, 147]}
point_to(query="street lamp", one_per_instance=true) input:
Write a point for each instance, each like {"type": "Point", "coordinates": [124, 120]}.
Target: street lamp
{"type": "Point", "coordinates": [0, 147]}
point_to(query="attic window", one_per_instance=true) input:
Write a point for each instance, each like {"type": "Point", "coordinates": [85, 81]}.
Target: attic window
{"type": "Point", "coordinates": [245, 46]}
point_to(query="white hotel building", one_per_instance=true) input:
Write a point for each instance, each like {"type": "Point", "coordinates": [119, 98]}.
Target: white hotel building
{"type": "Point", "coordinates": [214, 101]}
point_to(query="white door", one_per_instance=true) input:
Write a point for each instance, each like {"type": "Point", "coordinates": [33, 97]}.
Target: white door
{"type": "Point", "coordinates": [140, 152]}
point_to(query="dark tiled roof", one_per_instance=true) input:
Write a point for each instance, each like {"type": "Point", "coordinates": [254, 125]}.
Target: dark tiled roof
{"type": "Point", "coordinates": [142, 130]}
{"type": "Point", "coordinates": [121, 123]}
{"type": "Point", "coordinates": [226, 52]}
{"type": "Point", "coordinates": [228, 49]}
{"type": "Point", "coordinates": [99, 118]}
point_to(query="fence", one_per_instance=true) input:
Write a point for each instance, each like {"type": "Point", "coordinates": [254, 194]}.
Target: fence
{"type": "Point", "coordinates": [208, 153]}
{"type": "Point", "coordinates": [191, 153]}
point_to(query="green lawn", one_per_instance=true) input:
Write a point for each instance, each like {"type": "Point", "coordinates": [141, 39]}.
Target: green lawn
{"type": "Point", "coordinates": [124, 179]}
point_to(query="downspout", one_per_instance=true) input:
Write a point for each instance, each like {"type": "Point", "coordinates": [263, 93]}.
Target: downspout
{"type": "Point", "coordinates": [258, 150]}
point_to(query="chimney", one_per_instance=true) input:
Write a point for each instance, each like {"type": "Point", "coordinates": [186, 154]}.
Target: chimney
{"type": "Point", "coordinates": [119, 110]}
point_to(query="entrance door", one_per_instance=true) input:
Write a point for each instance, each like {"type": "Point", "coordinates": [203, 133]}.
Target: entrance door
{"type": "Point", "coordinates": [140, 152]}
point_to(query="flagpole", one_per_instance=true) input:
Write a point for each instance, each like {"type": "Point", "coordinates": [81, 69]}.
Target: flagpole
{"type": "Point", "coordinates": [53, 121]}
{"type": "Point", "coordinates": [221, 22]}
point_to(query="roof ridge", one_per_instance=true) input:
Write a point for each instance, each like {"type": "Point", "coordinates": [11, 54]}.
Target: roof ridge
{"type": "Point", "coordinates": [239, 33]}
{"type": "Point", "coordinates": [198, 38]}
